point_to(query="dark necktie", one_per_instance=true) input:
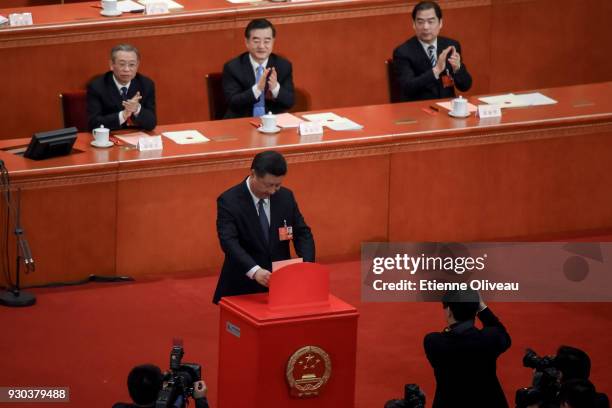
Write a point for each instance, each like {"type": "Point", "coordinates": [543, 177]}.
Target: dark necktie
{"type": "Point", "coordinates": [124, 93]}
{"type": "Point", "coordinates": [263, 220]}
{"type": "Point", "coordinates": [431, 50]}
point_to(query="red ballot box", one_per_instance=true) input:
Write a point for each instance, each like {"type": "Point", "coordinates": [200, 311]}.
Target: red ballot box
{"type": "Point", "coordinates": [293, 347]}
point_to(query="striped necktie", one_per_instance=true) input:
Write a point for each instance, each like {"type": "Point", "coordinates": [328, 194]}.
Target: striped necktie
{"type": "Point", "coordinates": [124, 93]}
{"type": "Point", "coordinates": [431, 50]}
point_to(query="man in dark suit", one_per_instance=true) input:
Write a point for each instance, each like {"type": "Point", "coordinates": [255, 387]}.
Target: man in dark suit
{"type": "Point", "coordinates": [254, 223]}
{"type": "Point", "coordinates": [464, 358]}
{"type": "Point", "coordinates": [427, 66]}
{"type": "Point", "coordinates": [122, 98]}
{"type": "Point", "coordinates": [258, 81]}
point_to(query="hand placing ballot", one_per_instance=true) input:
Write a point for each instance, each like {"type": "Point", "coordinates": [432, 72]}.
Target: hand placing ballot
{"type": "Point", "coordinates": [262, 276]}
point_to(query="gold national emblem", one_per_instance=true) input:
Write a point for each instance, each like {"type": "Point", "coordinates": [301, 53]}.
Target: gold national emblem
{"type": "Point", "coordinates": [308, 370]}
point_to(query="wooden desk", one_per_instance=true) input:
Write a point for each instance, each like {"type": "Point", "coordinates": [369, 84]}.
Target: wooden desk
{"type": "Point", "coordinates": [338, 49]}
{"type": "Point", "coordinates": [539, 172]}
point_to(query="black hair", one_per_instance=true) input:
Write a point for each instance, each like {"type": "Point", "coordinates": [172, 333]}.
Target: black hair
{"type": "Point", "coordinates": [426, 5]}
{"type": "Point", "coordinates": [573, 363]}
{"type": "Point", "coordinates": [257, 24]}
{"type": "Point", "coordinates": [578, 394]}
{"type": "Point", "coordinates": [463, 304]}
{"type": "Point", "coordinates": [144, 383]}
{"type": "Point", "coordinates": [269, 162]}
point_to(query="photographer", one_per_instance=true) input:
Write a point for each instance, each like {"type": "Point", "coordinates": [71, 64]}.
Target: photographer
{"type": "Point", "coordinates": [551, 374]}
{"type": "Point", "coordinates": [575, 364]}
{"type": "Point", "coordinates": [578, 394]}
{"type": "Point", "coordinates": [144, 383]}
{"type": "Point", "coordinates": [464, 357]}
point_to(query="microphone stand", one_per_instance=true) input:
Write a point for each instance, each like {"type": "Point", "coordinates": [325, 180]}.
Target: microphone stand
{"type": "Point", "coordinates": [15, 297]}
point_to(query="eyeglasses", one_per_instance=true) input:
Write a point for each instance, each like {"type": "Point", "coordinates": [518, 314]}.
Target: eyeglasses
{"type": "Point", "coordinates": [130, 65]}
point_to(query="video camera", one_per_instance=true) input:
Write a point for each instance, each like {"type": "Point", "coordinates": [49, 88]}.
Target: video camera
{"type": "Point", "coordinates": [413, 398]}
{"type": "Point", "coordinates": [178, 382]}
{"type": "Point", "coordinates": [545, 383]}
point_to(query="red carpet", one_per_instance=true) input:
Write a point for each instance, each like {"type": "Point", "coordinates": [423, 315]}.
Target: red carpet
{"type": "Point", "coordinates": [89, 337]}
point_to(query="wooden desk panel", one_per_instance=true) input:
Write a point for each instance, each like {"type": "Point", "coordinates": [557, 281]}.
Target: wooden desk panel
{"type": "Point", "coordinates": [338, 49]}
{"type": "Point", "coordinates": [535, 172]}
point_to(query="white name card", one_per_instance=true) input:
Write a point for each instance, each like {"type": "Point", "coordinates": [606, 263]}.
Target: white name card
{"type": "Point", "coordinates": [311, 128]}
{"type": "Point", "coordinates": [150, 143]}
{"type": "Point", "coordinates": [20, 19]}
{"type": "Point", "coordinates": [489, 111]}
{"type": "Point", "coordinates": [156, 7]}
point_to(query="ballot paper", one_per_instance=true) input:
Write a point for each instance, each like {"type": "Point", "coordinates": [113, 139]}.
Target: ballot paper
{"type": "Point", "coordinates": [322, 117]}
{"type": "Point", "coordinates": [3, 20]}
{"type": "Point", "coordinates": [333, 121]}
{"type": "Point", "coordinates": [186, 137]}
{"type": "Point", "coordinates": [448, 106]}
{"type": "Point", "coordinates": [172, 5]}
{"type": "Point", "coordinates": [518, 100]}
{"type": "Point", "coordinates": [127, 6]}
{"type": "Point", "coordinates": [287, 120]}
{"type": "Point", "coordinates": [131, 138]}
{"type": "Point", "coordinates": [343, 124]}
{"type": "Point", "coordinates": [276, 265]}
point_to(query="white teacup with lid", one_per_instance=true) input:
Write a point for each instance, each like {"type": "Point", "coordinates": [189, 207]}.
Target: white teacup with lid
{"type": "Point", "coordinates": [109, 6]}
{"type": "Point", "coordinates": [268, 122]}
{"type": "Point", "coordinates": [101, 137]}
{"type": "Point", "coordinates": [459, 106]}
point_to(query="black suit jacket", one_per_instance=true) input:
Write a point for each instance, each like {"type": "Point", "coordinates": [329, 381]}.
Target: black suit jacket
{"type": "Point", "coordinates": [413, 72]}
{"type": "Point", "coordinates": [243, 242]}
{"type": "Point", "coordinates": [104, 103]}
{"type": "Point", "coordinates": [464, 360]}
{"type": "Point", "coordinates": [238, 81]}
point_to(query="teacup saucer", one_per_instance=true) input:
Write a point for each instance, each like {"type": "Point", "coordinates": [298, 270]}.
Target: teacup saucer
{"type": "Point", "coordinates": [111, 13]}
{"type": "Point", "coordinates": [275, 129]}
{"type": "Point", "coordinates": [96, 144]}
{"type": "Point", "coordinates": [454, 115]}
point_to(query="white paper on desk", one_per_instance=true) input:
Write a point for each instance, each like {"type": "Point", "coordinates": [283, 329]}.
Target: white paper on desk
{"type": "Point", "coordinates": [127, 6]}
{"type": "Point", "coordinates": [287, 120]}
{"type": "Point", "coordinates": [172, 5]}
{"type": "Point", "coordinates": [448, 106]}
{"type": "Point", "coordinates": [517, 101]}
{"type": "Point", "coordinates": [537, 99]}
{"type": "Point", "coordinates": [343, 124]}
{"type": "Point", "coordinates": [186, 137]}
{"type": "Point", "coordinates": [3, 20]}
{"type": "Point", "coordinates": [131, 138]}
{"type": "Point", "coordinates": [322, 117]}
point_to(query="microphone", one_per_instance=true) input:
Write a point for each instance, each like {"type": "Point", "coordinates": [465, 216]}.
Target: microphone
{"type": "Point", "coordinates": [26, 253]}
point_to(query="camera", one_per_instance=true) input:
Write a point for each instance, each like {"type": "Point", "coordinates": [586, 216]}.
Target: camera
{"type": "Point", "coordinates": [413, 398]}
{"type": "Point", "coordinates": [545, 383]}
{"type": "Point", "coordinates": [178, 382]}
